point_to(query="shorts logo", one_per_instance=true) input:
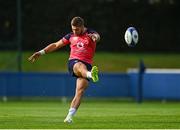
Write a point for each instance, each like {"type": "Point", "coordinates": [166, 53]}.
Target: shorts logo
{"type": "Point", "coordinates": [76, 61]}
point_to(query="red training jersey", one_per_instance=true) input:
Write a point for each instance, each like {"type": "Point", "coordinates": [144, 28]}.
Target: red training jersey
{"type": "Point", "coordinates": [82, 46]}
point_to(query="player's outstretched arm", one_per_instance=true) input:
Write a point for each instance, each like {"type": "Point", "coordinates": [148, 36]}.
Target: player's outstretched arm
{"type": "Point", "coordinates": [50, 48]}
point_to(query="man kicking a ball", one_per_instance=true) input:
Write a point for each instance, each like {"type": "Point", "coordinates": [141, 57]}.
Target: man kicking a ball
{"type": "Point", "coordinates": [82, 42]}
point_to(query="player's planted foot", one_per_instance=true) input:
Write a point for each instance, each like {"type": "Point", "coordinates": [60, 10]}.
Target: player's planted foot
{"type": "Point", "coordinates": [68, 119]}
{"type": "Point", "coordinates": [94, 73]}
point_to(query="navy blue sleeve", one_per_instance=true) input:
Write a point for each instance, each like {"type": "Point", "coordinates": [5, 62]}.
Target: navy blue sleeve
{"type": "Point", "coordinates": [91, 31]}
{"type": "Point", "coordinates": [67, 36]}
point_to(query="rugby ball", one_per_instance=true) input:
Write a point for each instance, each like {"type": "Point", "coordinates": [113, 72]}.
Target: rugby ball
{"type": "Point", "coordinates": [131, 36]}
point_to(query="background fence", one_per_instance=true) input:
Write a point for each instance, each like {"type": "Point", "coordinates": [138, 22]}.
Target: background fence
{"type": "Point", "coordinates": [155, 85]}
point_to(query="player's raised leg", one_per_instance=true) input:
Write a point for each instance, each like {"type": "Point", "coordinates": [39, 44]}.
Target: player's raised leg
{"type": "Point", "coordinates": [80, 69]}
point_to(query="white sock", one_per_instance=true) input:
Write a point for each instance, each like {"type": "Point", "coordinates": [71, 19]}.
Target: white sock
{"type": "Point", "coordinates": [72, 112]}
{"type": "Point", "coordinates": [88, 74]}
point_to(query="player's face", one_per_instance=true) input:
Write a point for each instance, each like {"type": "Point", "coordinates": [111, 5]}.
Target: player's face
{"type": "Point", "coordinates": [77, 30]}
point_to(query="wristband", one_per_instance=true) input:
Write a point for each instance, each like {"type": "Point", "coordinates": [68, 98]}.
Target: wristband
{"type": "Point", "coordinates": [42, 52]}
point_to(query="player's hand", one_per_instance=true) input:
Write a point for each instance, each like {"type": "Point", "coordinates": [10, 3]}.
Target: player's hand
{"type": "Point", "coordinates": [34, 57]}
{"type": "Point", "coordinates": [93, 37]}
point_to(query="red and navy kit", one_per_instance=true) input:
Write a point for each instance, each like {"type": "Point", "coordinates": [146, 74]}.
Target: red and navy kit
{"type": "Point", "coordinates": [82, 46]}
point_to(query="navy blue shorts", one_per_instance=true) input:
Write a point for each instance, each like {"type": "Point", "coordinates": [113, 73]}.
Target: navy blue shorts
{"type": "Point", "coordinates": [74, 61]}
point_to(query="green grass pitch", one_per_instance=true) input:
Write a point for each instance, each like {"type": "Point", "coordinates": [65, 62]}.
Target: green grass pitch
{"type": "Point", "coordinates": [91, 115]}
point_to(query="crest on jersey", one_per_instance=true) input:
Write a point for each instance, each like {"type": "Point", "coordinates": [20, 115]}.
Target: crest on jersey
{"type": "Point", "coordinates": [80, 45]}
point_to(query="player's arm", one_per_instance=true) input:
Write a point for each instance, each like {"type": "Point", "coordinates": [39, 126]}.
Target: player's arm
{"type": "Point", "coordinates": [53, 46]}
{"type": "Point", "coordinates": [50, 48]}
{"type": "Point", "coordinates": [94, 36]}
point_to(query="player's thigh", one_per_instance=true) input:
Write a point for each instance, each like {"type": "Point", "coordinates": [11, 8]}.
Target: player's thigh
{"type": "Point", "coordinates": [78, 68]}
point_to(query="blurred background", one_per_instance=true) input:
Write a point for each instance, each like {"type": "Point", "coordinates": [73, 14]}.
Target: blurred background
{"type": "Point", "coordinates": [43, 22]}
{"type": "Point", "coordinates": [28, 26]}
